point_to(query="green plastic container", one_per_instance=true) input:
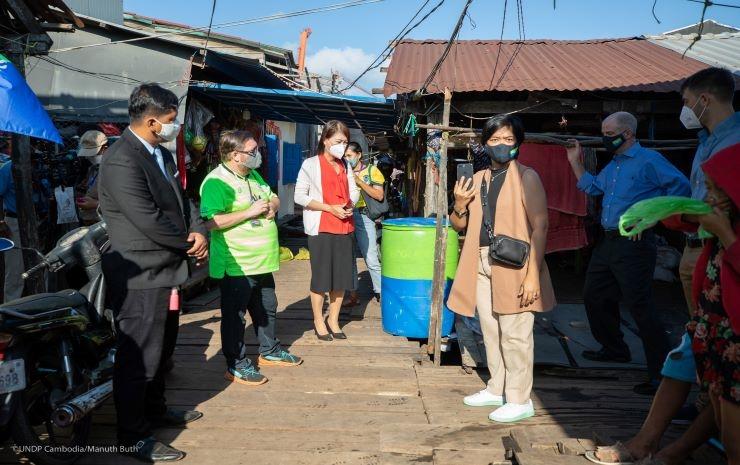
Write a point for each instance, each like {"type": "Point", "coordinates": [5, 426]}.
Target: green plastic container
{"type": "Point", "coordinates": [407, 271]}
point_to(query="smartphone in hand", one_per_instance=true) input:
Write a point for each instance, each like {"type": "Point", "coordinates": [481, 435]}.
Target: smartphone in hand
{"type": "Point", "coordinates": [464, 170]}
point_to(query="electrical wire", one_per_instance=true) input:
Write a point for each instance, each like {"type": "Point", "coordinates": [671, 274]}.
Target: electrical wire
{"type": "Point", "coordinates": [104, 76]}
{"type": "Point", "coordinates": [381, 56]}
{"type": "Point", "coordinates": [208, 35]}
{"type": "Point", "coordinates": [446, 51]}
{"type": "Point", "coordinates": [500, 44]}
{"type": "Point", "coordinates": [337, 6]}
{"type": "Point", "coordinates": [711, 3]}
{"type": "Point", "coordinates": [701, 28]}
{"type": "Point", "coordinates": [388, 50]}
{"type": "Point", "coordinates": [519, 45]}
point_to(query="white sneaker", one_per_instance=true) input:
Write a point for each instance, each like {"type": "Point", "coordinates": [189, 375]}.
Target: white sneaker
{"type": "Point", "coordinates": [483, 399]}
{"type": "Point", "coordinates": [510, 412]}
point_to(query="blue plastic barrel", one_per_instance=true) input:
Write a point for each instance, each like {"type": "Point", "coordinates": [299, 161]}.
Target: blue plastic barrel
{"type": "Point", "coordinates": [407, 269]}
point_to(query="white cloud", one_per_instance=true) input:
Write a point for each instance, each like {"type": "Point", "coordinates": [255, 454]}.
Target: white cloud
{"type": "Point", "coordinates": [291, 46]}
{"type": "Point", "coordinates": [349, 62]}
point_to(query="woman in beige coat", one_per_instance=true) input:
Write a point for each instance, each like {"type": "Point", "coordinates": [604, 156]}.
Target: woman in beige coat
{"type": "Point", "coordinates": [506, 297]}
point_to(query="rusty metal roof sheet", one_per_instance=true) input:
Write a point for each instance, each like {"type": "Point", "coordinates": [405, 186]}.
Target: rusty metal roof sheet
{"type": "Point", "coordinates": [633, 64]}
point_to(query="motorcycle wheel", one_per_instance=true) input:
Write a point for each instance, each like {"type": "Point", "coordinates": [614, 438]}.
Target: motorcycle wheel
{"type": "Point", "coordinates": [31, 425]}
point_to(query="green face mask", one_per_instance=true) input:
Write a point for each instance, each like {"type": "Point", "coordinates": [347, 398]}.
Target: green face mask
{"type": "Point", "coordinates": [353, 162]}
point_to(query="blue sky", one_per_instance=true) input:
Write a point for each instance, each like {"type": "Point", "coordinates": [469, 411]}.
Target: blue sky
{"type": "Point", "coordinates": [347, 40]}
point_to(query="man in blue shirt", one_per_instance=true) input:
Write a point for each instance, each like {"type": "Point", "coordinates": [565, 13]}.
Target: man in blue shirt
{"type": "Point", "coordinates": [623, 267]}
{"type": "Point", "coordinates": [707, 97]}
{"type": "Point", "coordinates": [9, 228]}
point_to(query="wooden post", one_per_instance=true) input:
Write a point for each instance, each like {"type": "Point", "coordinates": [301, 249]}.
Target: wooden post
{"type": "Point", "coordinates": [439, 279]}
{"type": "Point", "coordinates": [23, 182]}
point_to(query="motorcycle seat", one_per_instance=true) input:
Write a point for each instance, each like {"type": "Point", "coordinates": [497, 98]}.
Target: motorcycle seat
{"type": "Point", "coordinates": [41, 303]}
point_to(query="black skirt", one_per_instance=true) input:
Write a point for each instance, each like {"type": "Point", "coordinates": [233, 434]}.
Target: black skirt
{"type": "Point", "coordinates": [331, 262]}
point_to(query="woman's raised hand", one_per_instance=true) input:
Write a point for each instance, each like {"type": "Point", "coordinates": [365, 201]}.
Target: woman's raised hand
{"type": "Point", "coordinates": [464, 192]}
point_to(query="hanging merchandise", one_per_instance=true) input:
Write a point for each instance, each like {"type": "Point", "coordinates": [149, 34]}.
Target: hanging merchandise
{"type": "Point", "coordinates": [647, 213]}
{"type": "Point", "coordinates": [66, 211]}
{"type": "Point", "coordinates": [434, 144]}
{"type": "Point", "coordinates": [411, 128]}
{"type": "Point", "coordinates": [196, 117]}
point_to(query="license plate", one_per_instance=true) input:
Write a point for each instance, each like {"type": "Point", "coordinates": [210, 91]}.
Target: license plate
{"type": "Point", "coordinates": [12, 376]}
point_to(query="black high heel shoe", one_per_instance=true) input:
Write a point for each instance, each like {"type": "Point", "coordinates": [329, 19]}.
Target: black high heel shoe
{"type": "Point", "coordinates": [338, 335]}
{"type": "Point", "coordinates": [324, 337]}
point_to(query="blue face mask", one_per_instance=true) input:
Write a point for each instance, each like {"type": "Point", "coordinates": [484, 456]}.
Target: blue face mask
{"type": "Point", "coordinates": [502, 153]}
{"type": "Point", "coordinates": [353, 162]}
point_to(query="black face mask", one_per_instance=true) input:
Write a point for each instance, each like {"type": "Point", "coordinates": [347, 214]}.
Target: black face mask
{"type": "Point", "coordinates": [612, 143]}
{"type": "Point", "coordinates": [502, 153]}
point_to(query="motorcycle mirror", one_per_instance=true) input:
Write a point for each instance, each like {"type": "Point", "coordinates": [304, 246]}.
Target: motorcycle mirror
{"type": "Point", "coordinates": [6, 244]}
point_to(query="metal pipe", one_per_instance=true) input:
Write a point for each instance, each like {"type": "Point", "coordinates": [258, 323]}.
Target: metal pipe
{"type": "Point", "coordinates": [67, 364]}
{"type": "Point", "coordinates": [73, 411]}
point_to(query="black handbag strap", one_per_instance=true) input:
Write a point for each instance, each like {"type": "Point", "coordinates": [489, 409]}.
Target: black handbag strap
{"type": "Point", "coordinates": [486, 211]}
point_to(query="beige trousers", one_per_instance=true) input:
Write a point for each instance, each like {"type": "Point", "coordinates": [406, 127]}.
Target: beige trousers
{"type": "Point", "coordinates": [509, 342]}
{"type": "Point", "coordinates": [686, 272]}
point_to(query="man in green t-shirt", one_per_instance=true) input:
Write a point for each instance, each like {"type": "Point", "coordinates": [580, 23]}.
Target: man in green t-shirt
{"type": "Point", "coordinates": [240, 210]}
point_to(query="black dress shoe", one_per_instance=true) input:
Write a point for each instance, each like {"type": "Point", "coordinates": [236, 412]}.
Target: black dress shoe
{"type": "Point", "coordinates": [337, 335]}
{"type": "Point", "coordinates": [175, 418]}
{"type": "Point", "coordinates": [150, 450]}
{"type": "Point", "coordinates": [323, 337]}
{"type": "Point", "coordinates": [604, 356]}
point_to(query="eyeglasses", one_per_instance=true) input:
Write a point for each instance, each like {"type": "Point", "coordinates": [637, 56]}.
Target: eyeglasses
{"type": "Point", "coordinates": [504, 140]}
{"type": "Point", "coordinates": [251, 153]}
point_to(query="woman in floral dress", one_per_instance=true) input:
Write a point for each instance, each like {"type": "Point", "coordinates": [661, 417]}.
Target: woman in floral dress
{"type": "Point", "coordinates": [715, 326]}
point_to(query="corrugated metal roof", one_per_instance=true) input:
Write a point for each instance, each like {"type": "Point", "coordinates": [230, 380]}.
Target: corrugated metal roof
{"type": "Point", "coordinates": [633, 64]}
{"type": "Point", "coordinates": [713, 49]}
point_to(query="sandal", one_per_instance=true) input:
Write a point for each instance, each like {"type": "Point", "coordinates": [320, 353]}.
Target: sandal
{"type": "Point", "coordinates": [619, 454]}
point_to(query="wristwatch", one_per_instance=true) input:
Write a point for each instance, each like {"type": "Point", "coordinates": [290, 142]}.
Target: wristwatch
{"type": "Point", "coordinates": [461, 214]}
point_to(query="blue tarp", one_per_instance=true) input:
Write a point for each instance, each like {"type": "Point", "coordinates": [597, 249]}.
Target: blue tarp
{"type": "Point", "coordinates": [370, 114]}
{"type": "Point", "coordinates": [20, 110]}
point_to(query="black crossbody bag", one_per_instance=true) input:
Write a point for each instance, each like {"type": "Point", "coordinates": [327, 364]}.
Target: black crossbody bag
{"type": "Point", "coordinates": [375, 208]}
{"type": "Point", "coordinates": [503, 249]}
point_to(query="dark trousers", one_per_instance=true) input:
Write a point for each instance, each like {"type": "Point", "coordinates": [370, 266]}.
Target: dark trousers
{"type": "Point", "coordinates": [257, 295]}
{"type": "Point", "coordinates": [621, 269]}
{"type": "Point", "coordinates": [147, 334]}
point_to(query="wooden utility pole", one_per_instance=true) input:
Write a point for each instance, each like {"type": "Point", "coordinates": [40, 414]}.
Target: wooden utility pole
{"type": "Point", "coordinates": [439, 279]}
{"type": "Point", "coordinates": [23, 182]}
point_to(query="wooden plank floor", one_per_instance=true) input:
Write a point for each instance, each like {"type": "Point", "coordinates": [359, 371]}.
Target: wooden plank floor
{"type": "Point", "coordinates": [371, 399]}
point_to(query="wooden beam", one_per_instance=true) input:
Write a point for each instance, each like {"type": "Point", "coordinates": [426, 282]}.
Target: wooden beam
{"type": "Point", "coordinates": [440, 246]}
{"type": "Point", "coordinates": [58, 27]}
{"type": "Point", "coordinates": [25, 16]}
{"type": "Point", "coordinates": [22, 172]}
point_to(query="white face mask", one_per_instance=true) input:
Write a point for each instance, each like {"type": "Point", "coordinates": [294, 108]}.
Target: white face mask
{"type": "Point", "coordinates": [253, 162]}
{"type": "Point", "coordinates": [96, 159]}
{"type": "Point", "coordinates": [337, 151]}
{"type": "Point", "coordinates": [169, 131]}
{"type": "Point", "coordinates": [689, 119]}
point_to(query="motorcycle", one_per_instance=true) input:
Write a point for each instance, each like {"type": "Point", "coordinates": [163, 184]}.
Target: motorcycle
{"type": "Point", "coordinates": [56, 354]}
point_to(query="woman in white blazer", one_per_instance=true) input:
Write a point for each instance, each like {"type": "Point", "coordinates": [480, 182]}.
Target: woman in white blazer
{"type": "Point", "coordinates": [327, 192]}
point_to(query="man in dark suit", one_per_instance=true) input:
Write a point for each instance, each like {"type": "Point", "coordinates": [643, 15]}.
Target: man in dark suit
{"type": "Point", "coordinates": [152, 235]}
